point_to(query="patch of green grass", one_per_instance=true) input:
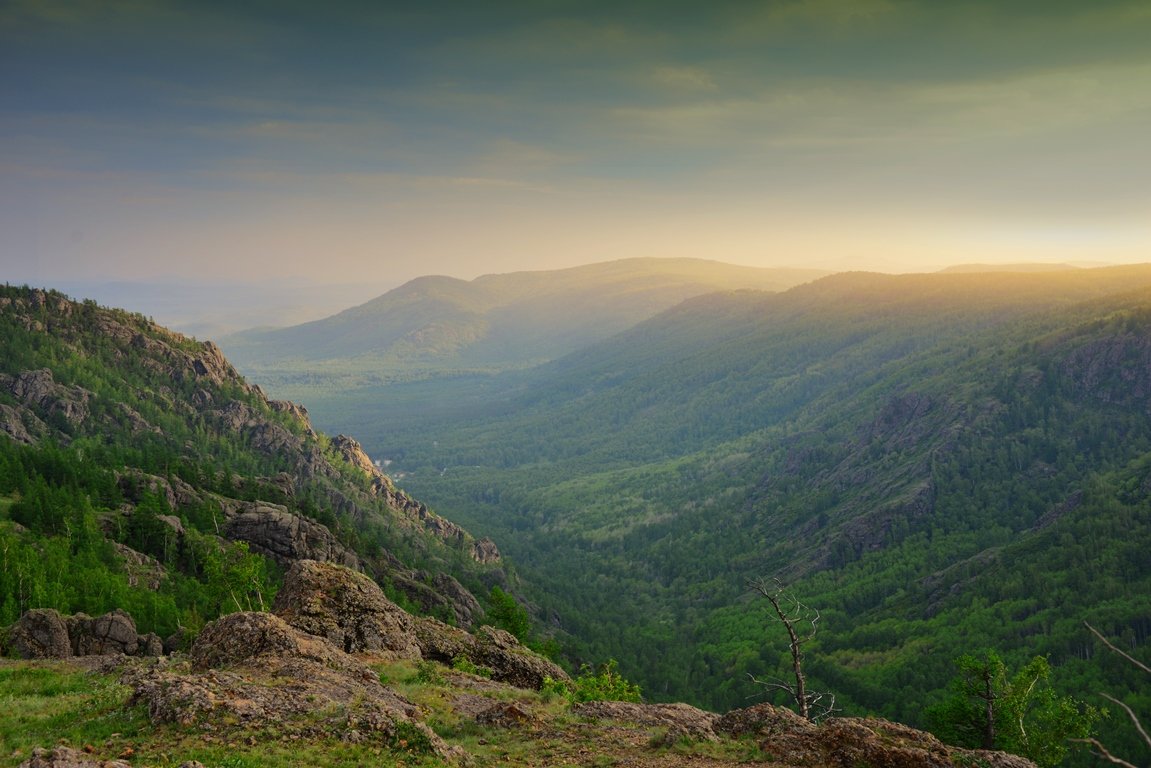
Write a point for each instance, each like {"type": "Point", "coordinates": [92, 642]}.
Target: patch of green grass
{"type": "Point", "coordinates": [43, 704]}
{"type": "Point", "coordinates": [46, 704]}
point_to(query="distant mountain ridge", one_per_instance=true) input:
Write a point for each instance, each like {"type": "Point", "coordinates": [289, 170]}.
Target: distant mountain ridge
{"type": "Point", "coordinates": [496, 322]}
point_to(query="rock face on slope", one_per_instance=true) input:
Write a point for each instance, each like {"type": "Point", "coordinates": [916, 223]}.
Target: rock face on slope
{"type": "Point", "coordinates": [272, 530]}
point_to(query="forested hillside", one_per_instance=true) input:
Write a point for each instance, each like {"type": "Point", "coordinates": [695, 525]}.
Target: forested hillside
{"type": "Point", "coordinates": [139, 471]}
{"type": "Point", "coordinates": [939, 463]}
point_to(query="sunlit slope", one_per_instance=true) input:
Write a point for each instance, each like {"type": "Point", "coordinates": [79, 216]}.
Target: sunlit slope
{"type": "Point", "coordinates": [723, 365]}
{"type": "Point", "coordinates": [940, 462]}
{"type": "Point", "coordinates": [496, 321]}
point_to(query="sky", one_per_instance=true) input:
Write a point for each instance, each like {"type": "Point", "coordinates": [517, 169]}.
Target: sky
{"type": "Point", "coordinates": [366, 143]}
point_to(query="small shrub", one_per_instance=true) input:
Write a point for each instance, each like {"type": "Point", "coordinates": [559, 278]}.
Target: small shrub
{"type": "Point", "coordinates": [429, 673]}
{"type": "Point", "coordinates": [462, 663]}
{"type": "Point", "coordinates": [606, 685]}
{"type": "Point", "coordinates": [410, 738]}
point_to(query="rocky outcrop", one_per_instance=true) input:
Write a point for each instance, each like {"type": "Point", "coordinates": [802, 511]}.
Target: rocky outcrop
{"type": "Point", "coordinates": [351, 611]}
{"type": "Point", "coordinates": [43, 633]}
{"type": "Point", "coordinates": [676, 720]}
{"type": "Point", "coordinates": [252, 670]}
{"type": "Point", "coordinates": [1115, 369]}
{"type": "Point", "coordinates": [463, 603]}
{"type": "Point", "coordinates": [485, 551]}
{"type": "Point", "coordinates": [66, 757]}
{"type": "Point", "coordinates": [114, 632]}
{"type": "Point", "coordinates": [240, 638]}
{"type": "Point", "coordinates": [381, 486]}
{"type": "Point", "coordinates": [39, 391]}
{"type": "Point", "coordinates": [136, 485]}
{"type": "Point", "coordinates": [851, 741]}
{"type": "Point", "coordinates": [272, 530]}
{"type": "Point", "coordinates": [351, 451]}
{"type": "Point", "coordinates": [21, 425]}
{"type": "Point", "coordinates": [347, 608]}
{"type": "Point", "coordinates": [295, 410]}
{"type": "Point", "coordinates": [265, 435]}
{"type": "Point", "coordinates": [496, 649]}
{"type": "Point", "coordinates": [444, 593]}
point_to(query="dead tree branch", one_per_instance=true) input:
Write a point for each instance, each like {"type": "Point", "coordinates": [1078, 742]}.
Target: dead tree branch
{"type": "Point", "coordinates": [1102, 751]}
{"type": "Point", "coordinates": [794, 615]}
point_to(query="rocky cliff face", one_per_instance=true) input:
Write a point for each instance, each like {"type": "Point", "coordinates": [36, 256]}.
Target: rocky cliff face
{"type": "Point", "coordinates": [121, 378]}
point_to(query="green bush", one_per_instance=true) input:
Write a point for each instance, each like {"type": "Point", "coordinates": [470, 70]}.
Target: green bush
{"type": "Point", "coordinates": [462, 663]}
{"type": "Point", "coordinates": [606, 685]}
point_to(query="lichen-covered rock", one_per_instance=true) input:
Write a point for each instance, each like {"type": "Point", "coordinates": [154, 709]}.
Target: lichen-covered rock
{"type": "Point", "coordinates": [347, 608]}
{"type": "Point", "coordinates": [44, 633]}
{"type": "Point", "coordinates": [851, 741]}
{"type": "Point", "coordinates": [41, 633]}
{"type": "Point", "coordinates": [678, 720]}
{"type": "Point", "coordinates": [252, 670]}
{"type": "Point", "coordinates": [509, 661]}
{"type": "Point", "coordinates": [239, 637]}
{"type": "Point", "coordinates": [66, 757]}
{"type": "Point", "coordinates": [762, 720]}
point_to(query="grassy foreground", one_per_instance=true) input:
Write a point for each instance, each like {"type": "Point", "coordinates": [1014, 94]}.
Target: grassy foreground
{"type": "Point", "coordinates": [49, 703]}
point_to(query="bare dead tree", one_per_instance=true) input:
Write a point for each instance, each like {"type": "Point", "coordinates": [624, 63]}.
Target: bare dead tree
{"type": "Point", "coordinates": [801, 623]}
{"type": "Point", "coordinates": [1102, 750]}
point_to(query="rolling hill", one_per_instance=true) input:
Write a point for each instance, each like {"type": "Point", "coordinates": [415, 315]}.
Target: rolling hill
{"type": "Point", "coordinates": [436, 325]}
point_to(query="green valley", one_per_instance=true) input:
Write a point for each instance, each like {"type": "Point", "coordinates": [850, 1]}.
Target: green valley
{"type": "Point", "coordinates": [939, 463]}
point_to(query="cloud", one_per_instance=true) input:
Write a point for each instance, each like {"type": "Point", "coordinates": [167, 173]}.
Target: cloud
{"type": "Point", "coordinates": [684, 78]}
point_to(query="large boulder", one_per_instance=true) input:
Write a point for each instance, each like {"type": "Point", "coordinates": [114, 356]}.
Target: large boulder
{"type": "Point", "coordinates": [496, 649]}
{"type": "Point", "coordinates": [114, 632]}
{"type": "Point", "coordinates": [347, 608]}
{"type": "Point", "coordinates": [239, 638]}
{"type": "Point", "coordinates": [41, 633]}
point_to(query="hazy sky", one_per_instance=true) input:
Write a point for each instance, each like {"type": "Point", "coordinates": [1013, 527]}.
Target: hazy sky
{"type": "Point", "coordinates": [376, 141]}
